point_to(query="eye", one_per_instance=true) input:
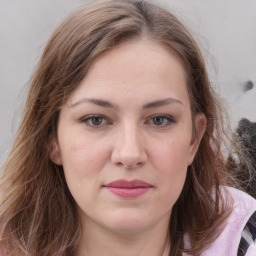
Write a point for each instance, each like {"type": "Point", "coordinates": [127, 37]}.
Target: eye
{"type": "Point", "coordinates": [95, 120]}
{"type": "Point", "coordinates": [161, 120]}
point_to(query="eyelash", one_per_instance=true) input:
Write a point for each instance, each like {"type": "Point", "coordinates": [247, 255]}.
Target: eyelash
{"type": "Point", "coordinates": [168, 120]}
{"type": "Point", "coordinates": [88, 120]}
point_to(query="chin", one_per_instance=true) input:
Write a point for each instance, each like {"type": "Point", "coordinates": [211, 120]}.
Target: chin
{"type": "Point", "coordinates": [127, 226]}
{"type": "Point", "coordinates": [127, 222]}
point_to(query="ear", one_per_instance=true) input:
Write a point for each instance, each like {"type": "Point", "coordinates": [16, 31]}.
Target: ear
{"type": "Point", "coordinates": [55, 153]}
{"type": "Point", "coordinates": [200, 127]}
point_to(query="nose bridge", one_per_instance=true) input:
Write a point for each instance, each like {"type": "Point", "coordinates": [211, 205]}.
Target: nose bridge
{"type": "Point", "coordinates": [129, 149]}
{"type": "Point", "coordinates": [131, 135]}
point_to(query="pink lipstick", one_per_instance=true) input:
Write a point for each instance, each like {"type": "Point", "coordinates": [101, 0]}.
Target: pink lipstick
{"type": "Point", "coordinates": [128, 189]}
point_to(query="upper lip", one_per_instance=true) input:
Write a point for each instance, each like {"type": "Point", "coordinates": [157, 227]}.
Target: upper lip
{"type": "Point", "coordinates": [128, 184]}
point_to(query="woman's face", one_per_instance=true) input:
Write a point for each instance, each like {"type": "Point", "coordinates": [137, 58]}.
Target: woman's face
{"type": "Point", "coordinates": [125, 137]}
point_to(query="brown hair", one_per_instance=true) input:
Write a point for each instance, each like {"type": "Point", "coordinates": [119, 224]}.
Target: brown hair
{"type": "Point", "coordinates": [38, 215]}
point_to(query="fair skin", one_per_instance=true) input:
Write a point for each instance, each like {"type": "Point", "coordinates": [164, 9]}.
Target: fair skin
{"type": "Point", "coordinates": [130, 120]}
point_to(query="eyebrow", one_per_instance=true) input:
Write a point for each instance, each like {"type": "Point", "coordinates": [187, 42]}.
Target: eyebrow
{"type": "Point", "coordinates": [99, 102]}
{"type": "Point", "coordinates": [160, 103]}
{"type": "Point", "coordinates": [107, 104]}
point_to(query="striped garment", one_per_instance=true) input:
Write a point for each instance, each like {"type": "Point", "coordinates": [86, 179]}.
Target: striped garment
{"type": "Point", "coordinates": [248, 239]}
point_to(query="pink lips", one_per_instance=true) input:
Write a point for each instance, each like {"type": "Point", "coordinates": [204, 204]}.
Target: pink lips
{"type": "Point", "coordinates": [128, 189]}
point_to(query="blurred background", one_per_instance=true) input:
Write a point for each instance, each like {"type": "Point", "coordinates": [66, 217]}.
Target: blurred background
{"type": "Point", "coordinates": [224, 29]}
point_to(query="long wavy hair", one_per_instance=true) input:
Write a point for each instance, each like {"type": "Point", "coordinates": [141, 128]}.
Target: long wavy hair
{"type": "Point", "coordinates": [38, 215]}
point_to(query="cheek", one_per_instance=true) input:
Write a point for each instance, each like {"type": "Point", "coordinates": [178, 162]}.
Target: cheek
{"type": "Point", "coordinates": [172, 155]}
{"type": "Point", "coordinates": [170, 162]}
{"type": "Point", "coordinates": [82, 164]}
{"type": "Point", "coordinates": [83, 158]}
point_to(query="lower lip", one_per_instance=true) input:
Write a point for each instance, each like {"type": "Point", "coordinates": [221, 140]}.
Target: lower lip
{"type": "Point", "coordinates": [129, 192]}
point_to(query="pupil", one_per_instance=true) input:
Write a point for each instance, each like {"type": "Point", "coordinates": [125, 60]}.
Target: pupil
{"type": "Point", "coordinates": [97, 120]}
{"type": "Point", "coordinates": [158, 120]}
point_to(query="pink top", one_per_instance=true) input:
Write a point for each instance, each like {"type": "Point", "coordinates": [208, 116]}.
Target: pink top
{"type": "Point", "coordinates": [227, 243]}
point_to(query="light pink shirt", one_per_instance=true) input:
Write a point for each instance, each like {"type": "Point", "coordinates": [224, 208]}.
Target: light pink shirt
{"type": "Point", "coordinates": [227, 243]}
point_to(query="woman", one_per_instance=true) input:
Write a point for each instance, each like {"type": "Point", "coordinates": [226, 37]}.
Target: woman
{"type": "Point", "coordinates": [118, 152]}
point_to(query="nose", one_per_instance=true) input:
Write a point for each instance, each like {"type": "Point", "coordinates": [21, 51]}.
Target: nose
{"type": "Point", "coordinates": [129, 151]}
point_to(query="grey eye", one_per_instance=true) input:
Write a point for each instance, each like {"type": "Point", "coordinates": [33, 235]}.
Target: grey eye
{"type": "Point", "coordinates": [96, 120]}
{"type": "Point", "coordinates": [159, 120]}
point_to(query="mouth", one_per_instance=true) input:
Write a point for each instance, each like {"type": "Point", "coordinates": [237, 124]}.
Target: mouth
{"type": "Point", "coordinates": [128, 189]}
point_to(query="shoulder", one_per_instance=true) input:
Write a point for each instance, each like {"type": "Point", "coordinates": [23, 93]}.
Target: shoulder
{"type": "Point", "coordinates": [243, 205]}
{"type": "Point", "coordinates": [243, 208]}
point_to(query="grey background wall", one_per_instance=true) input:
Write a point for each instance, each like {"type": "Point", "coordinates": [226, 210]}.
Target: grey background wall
{"type": "Point", "coordinates": [225, 29]}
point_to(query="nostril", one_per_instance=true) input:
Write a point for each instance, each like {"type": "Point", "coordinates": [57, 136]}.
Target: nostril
{"type": "Point", "coordinates": [131, 166]}
{"type": "Point", "coordinates": [139, 164]}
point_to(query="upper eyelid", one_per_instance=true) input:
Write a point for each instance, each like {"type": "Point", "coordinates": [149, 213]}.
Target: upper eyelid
{"type": "Point", "coordinates": [167, 116]}
{"type": "Point", "coordinates": [150, 116]}
{"type": "Point", "coordinates": [93, 115]}
{"type": "Point", "coordinates": [170, 120]}
{"type": "Point", "coordinates": [162, 115]}
{"type": "Point", "coordinates": [87, 118]}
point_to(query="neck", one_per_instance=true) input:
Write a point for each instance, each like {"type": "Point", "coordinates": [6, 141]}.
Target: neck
{"type": "Point", "coordinates": [99, 241]}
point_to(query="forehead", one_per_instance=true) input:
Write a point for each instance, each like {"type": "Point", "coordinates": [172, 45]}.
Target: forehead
{"type": "Point", "coordinates": [133, 68]}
